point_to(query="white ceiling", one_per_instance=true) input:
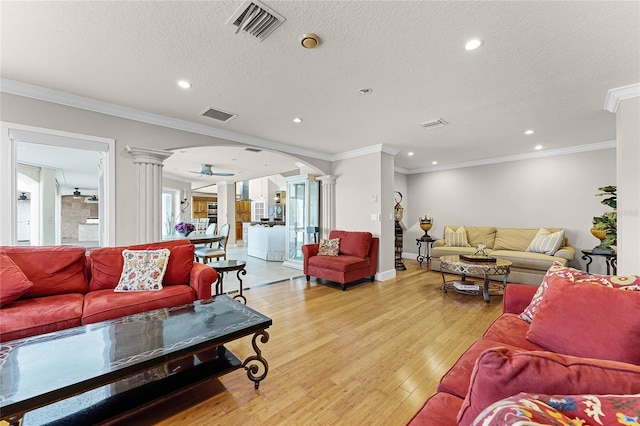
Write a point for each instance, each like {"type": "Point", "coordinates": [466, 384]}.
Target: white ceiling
{"type": "Point", "coordinates": [544, 65]}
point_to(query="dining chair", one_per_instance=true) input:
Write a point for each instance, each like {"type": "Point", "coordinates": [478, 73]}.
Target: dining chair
{"type": "Point", "coordinates": [206, 253]}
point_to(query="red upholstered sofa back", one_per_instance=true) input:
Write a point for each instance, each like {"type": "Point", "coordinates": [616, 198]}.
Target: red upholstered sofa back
{"type": "Point", "coordinates": [52, 269]}
{"type": "Point", "coordinates": [353, 243]}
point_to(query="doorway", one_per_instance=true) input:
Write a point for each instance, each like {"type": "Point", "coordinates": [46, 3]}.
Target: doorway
{"type": "Point", "coordinates": [44, 176]}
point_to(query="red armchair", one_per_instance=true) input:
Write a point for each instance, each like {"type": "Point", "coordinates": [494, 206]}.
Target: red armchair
{"type": "Point", "coordinates": [357, 258]}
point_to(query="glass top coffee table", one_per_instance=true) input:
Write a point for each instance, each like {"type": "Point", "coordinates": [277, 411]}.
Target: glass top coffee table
{"type": "Point", "coordinates": [105, 370]}
{"type": "Point", "coordinates": [455, 265]}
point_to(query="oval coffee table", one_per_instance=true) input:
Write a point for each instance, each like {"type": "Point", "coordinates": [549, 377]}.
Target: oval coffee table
{"type": "Point", "coordinates": [455, 265]}
{"type": "Point", "coordinates": [224, 266]}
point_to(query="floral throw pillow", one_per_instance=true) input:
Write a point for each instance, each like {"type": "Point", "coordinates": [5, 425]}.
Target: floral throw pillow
{"type": "Point", "coordinates": [576, 276]}
{"type": "Point", "coordinates": [532, 409]}
{"type": "Point", "coordinates": [143, 270]}
{"type": "Point", "coordinates": [329, 247]}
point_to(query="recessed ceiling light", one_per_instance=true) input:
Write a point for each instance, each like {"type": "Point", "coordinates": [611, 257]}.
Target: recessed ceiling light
{"type": "Point", "coordinates": [473, 44]}
{"type": "Point", "coordinates": [184, 84]}
{"type": "Point", "coordinates": [365, 91]}
{"type": "Point", "coordinates": [409, 154]}
{"type": "Point", "coordinates": [309, 41]}
{"type": "Point", "coordinates": [538, 147]}
{"type": "Point", "coordinates": [529, 132]}
{"type": "Point", "coordinates": [434, 162]}
{"type": "Point", "coordinates": [297, 120]}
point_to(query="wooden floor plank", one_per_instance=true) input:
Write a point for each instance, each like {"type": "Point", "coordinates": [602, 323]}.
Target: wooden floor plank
{"type": "Point", "coordinates": [370, 355]}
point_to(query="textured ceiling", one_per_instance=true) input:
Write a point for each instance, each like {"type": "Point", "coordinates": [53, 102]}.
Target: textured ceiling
{"type": "Point", "coordinates": [543, 65]}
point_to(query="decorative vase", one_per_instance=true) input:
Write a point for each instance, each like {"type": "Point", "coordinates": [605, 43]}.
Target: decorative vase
{"type": "Point", "coordinates": [600, 234]}
{"type": "Point", "coordinates": [426, 223]}
{"type": "Point", "coordinates": [183, 234]}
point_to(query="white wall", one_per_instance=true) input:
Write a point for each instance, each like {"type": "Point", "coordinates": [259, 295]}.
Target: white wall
{"type": "Point", "coordinates": [628, 137]}
{"type": "Point", "coordinates": [550, 192]}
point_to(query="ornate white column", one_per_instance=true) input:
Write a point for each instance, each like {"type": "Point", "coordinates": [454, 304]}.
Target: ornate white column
{"type": "Point", "coordinates": [149, 163]}
{"type": "Point", "coordinates": [327, 204]}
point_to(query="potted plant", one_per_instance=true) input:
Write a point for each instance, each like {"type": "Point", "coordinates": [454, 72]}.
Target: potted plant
{"type": "Point", "coordinates": [184, 228]}
{"type": "Point", "coordinates": [605, 226]}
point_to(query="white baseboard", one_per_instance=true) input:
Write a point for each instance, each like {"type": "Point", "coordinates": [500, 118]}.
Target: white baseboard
{"type": "Point", "coordinates": [385, 275]}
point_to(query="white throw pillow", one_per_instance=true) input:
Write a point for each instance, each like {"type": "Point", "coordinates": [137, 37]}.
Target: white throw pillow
{"type": "Point", "coordinates": [457, 238]}
{"type": "Point", "coordinates": [143, 270]}
{"type": "Point", "coordinates": [546, 242]}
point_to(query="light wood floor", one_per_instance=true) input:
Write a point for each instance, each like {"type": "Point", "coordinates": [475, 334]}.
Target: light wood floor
{"type": "Point", "coordinates": [369, 356]}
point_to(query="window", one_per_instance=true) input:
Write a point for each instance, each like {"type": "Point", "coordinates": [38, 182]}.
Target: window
{"type": "Point", "coordinates": [258, 210]}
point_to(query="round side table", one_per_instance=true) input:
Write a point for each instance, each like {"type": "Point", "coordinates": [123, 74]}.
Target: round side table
{"type": "Point", "coordinates": [427, 249]}
{"type": "Point", "coordinates": [224, 266]}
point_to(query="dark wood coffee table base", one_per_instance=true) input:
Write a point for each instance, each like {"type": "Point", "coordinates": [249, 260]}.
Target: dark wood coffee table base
{"type": "Point", "coordinates": [64, 378]}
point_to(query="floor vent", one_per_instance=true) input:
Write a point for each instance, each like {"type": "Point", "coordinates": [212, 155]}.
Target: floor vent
{"type": "Point", "coordinates": [255, 19]}
{"type": "Point", "coordinates": [253, 149]}
{"type": "Point", "coordinates": [217, 114]}
{"type": "Point", "coordinates": [434, 123]}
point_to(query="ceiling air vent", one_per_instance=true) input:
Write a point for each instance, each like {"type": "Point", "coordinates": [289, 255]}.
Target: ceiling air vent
{"type": "Point", "coordinates": [434, 123]}
{"type": "Point", "coordinates": [252, 149]}
{"type": "Point", "coordinates": [255, 19]}
{"type": "Point", "coordinates": [217, 114]}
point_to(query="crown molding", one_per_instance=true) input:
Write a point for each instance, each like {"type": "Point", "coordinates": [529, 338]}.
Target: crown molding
{"type": "Point", "coordinates": [58, 97]}
{"type": "Point", "coordinates": [518, 157]}
{"type": "Point", "coordinates": [387, 149]}
{"type": "Point", "coordinates": [614, 96]}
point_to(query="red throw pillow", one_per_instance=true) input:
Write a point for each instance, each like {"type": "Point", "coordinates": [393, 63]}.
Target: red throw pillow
{"type": "Point", "coordinates": [13, 282]}
{"type": "Point", "coordinates": [589, 320]}
{"type": "Point", "coordinates": [500, 373]}
{"type": "Point", "coordinates": [629, 282]}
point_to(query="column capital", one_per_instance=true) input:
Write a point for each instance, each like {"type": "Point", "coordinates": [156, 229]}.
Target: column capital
{"type": "Point", "coordinates": [148, 155]}
{"type": "Point", "coordinates": [327, 179]}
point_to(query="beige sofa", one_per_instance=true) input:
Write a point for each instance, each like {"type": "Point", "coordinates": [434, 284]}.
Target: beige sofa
{"type": "Point", "coordinates": [508, 244]}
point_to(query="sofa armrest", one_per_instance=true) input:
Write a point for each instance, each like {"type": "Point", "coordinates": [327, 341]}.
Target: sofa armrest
{"type": "Point", "coordinates": [437, 243]}
{"type": "Point", "coordinates": [201, 278]}
{"type": "Point", "coordinates": [566, 252]}
{"type": "Point", "coordinates": [517, 297]}
{"type": "Point", "coordinates": [308, 250]}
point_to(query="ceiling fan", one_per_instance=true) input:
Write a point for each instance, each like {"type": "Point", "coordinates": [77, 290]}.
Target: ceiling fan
{"type": "Point", "coordinates": [206, 171]}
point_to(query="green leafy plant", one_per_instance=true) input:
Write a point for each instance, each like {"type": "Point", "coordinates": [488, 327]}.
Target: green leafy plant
{"type": "Point", "coordinates": [608, 221]}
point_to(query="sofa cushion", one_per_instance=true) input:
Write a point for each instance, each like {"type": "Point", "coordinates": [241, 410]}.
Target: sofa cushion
{"type": "Point", "coordinates": [438, 410]}
{"type": "Point", "coordinates": [107, 264]}
{"type": "Point", "coordinates": [546, 242]}
{"type": "Point", "coordinates": [525, 408]}
{"type": "Point", "coordinates": [101, 305]}
{"type": "Point", "coordinates": [143, 270]}
{"type": "Point", "coordinates": [180, 260]}
{"type": "Point", "coordinates": [501, 372]}
{"type": "Point", "coordinates": [456, 380]}
{"type": "Point", "coordinates": [511, 330]}
{"type": "Point", "coordinates": [517, 239]}
{"type": "Point", "coordinates": [353, 243]}
{"type": "Point", "coordinates": [13, 282]}
{"type": "Point", "coordinates": [456, 238]}
{"type": "Point", "coordinates": [557, 269]}
{"type": "Point", "coordinates": [329, 247]}
{"type": "Point", "coordinates": [39, 315]}
{"type": "Point", "coordinates": [52, 269]}
{"type": "Point", "coordinates": [481, 235]}
{"type": "Point", "coordinates": [339, 263]}
{"type": "Point", "coordinates": [527, 260]}
{"type": "Point", "coordinates": [588, 320]}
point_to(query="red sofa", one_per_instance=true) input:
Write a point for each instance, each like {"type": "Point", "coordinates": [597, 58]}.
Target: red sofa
{"type": "Point", "coordinates": [357, 258]}
{"type": "Point", "coordinates": [72, 288]}
{"type": "Point", "coordinates": [504, 363]}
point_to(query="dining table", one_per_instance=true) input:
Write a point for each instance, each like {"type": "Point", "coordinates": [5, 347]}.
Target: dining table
{"type": "Point", "coordinates": [195, 237]}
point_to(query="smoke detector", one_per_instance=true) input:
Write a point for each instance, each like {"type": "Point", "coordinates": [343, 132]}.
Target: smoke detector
{"type": "Point", "coordinates": [309, 41]}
